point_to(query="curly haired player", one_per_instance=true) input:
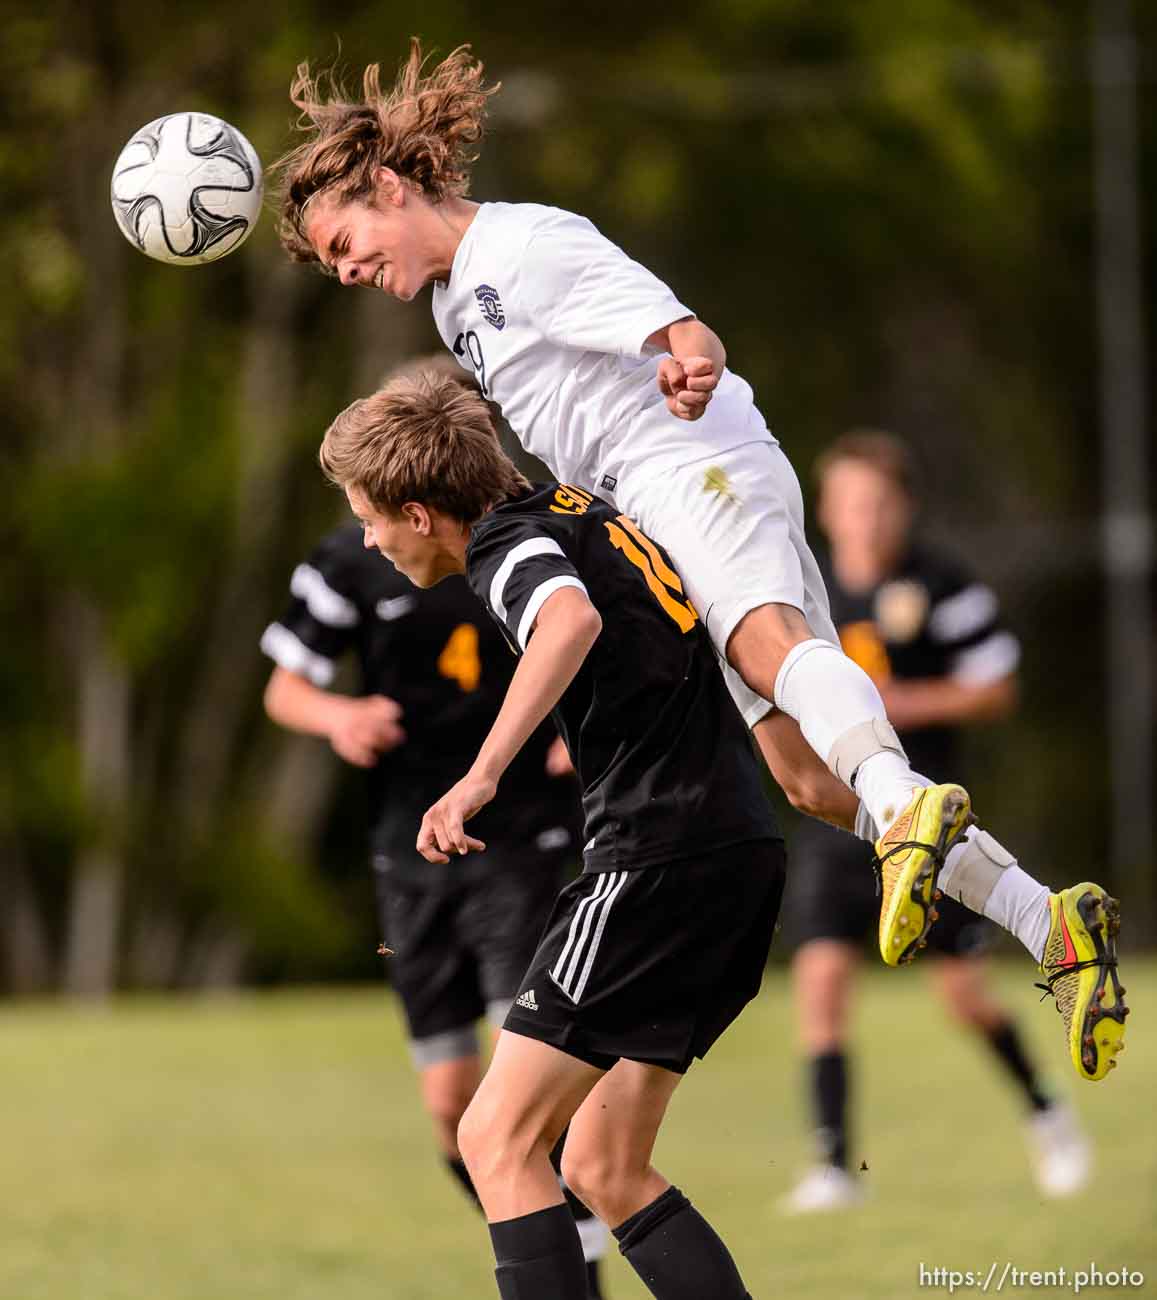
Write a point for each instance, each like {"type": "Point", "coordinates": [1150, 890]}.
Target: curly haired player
{"type": "Point", "coordinates": [602, 372]}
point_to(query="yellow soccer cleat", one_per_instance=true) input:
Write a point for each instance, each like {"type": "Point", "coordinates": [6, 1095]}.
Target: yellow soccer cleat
{"type": "Point", "coordinates": [1080, 970]}
{"type": "Point", "coordinates": [909, 856]}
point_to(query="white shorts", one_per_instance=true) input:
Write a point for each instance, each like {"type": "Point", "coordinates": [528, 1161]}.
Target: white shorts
{"type": "Point", "coordinates": [733, 524]}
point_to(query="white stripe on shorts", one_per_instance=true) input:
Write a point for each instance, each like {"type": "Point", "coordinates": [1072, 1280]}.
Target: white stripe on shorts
{"type": "Point", "coordinates": [585, 934]}
{"type": "Point", "coordinates": [604, 912]}
{"type": "Point", "coordinates": [580, 912]}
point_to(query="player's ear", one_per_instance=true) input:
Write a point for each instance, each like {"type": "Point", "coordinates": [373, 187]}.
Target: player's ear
{"type": "Point", "coordinates": [419, 518]}
{"type": "Point", "coordinates": [391, 187]}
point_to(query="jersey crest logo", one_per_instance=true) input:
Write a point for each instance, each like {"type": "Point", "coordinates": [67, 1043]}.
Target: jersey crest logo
{"type": "Point", "coordinates": [491, 305]}
{"type": "Point", "coordinates": [901, 610]}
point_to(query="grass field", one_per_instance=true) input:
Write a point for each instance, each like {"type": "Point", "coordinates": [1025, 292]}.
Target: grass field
{"type": "Point", "coordinates": [272, 1146]}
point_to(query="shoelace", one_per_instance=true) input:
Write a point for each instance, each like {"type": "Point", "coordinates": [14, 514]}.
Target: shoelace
{"type": "Point", "coordinates": [878, 862]}
{"type": "Point", "coordinates": [1062, 971]}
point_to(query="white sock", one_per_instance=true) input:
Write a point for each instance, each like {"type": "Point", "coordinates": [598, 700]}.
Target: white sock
{"type": "Point", "coordinates": [829, 695]}
{"type": "Point", "coordinates": [885, 783]}
{"type": "Point", "coordinates": [984, 876]}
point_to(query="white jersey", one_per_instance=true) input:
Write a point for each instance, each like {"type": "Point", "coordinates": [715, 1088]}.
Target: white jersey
{"type": "Point", "coordinates": [553, 319]}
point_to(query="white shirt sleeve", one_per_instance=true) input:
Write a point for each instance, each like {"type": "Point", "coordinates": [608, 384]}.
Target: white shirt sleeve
{"type": "Point", "coordinates": [586, 293]}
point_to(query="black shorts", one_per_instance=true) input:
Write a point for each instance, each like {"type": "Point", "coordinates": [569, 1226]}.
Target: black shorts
{"type": "Point", "coordinates": [653, 965]}
{"type": "Point", "coordinates": [832, 894]}
{"type": "Point", "coordinates": [461, 947]}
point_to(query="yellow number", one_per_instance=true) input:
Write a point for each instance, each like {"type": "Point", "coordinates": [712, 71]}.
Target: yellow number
{"type": "Point", "coordinates": [661, 578]}
{"type": "Point", "coordinates": [459, 659]}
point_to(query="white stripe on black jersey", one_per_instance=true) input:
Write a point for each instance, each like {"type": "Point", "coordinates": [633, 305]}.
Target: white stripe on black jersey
{"type": "Point", "coordinates": [662, 754]}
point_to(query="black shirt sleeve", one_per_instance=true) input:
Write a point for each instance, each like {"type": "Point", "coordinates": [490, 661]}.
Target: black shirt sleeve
{"type": "Point", "coordinates": [513, 567]}
{"type": "Point", "coordinates": [321, 621]}
{"type": "Point", "coordinates": [965, 626]}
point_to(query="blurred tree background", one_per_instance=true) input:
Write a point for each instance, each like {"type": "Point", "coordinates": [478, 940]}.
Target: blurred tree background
{"type": "Point", "coordinates": [886, 210]}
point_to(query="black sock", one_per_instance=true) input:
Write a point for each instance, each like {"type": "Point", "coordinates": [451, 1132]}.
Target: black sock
{"type": "Point", "coordinates": [829, 1086]}
{"type": "Point", "coordinates": [539, 1256]}
{"type": "Point", "coordinates": [677, 1253]}
{"type": "Point", "coordinates": [457, 1167]}
{"type": "Point", "coordinates": [1006, 1043]}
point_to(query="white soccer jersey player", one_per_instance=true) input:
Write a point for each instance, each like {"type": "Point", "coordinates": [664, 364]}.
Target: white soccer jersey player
{"type": "Point", "coordinates": [553, 320]}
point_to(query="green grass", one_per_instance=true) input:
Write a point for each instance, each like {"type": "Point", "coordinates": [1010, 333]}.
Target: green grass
{"type": "Point", "coordinates": [272, 1146]}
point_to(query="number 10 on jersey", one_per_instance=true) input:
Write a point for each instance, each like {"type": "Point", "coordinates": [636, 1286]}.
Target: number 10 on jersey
{"type": "Point", "coordinates": [661, 578]}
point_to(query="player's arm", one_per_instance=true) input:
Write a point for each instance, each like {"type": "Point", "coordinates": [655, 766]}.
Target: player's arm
{"type": "Point", "coordinates": [584, 292]}
{"type": "Point", "coordinates": [946, 702]}
{"type": "Point", "coordinates": [566, 627]}
{"type": "Point", "coordinates": [690, 374]}
{"type": "Point", "coordinates": [359, 728]}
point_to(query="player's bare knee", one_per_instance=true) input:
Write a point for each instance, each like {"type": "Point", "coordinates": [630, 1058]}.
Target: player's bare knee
{"type": "Point", "coordinates": [477, 1135]}
{"type": "Point", "coordinates": [603, 1183]}
{"type": "Point", "coordinates": [586, 1173]}
{"type": "Point", "coordinates": [761, 641]}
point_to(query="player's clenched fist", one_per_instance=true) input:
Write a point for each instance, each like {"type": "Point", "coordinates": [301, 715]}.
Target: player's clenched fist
{"type": "Point", "coordinates": [687, 383]}
{"type": "Point", "coordinates": [442, 831]}
{"type": "Point", "coordinates": [366, 727]}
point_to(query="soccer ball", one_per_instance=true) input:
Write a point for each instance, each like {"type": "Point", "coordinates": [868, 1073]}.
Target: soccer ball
{"type": "Point", "coordinates": [186, 188]}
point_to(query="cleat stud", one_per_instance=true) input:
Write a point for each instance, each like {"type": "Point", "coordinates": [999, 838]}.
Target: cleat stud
{"type": "Point", "coordinates": [937, 895]}
{"type": "Point", "coordinates": [934, 915]}
{"type": "Point", "coordinates": [903, 919]}
{"type": "Point", "coordinates": [1120, 990]}
{"type": "Point", "coordinates": [1087, 1040]}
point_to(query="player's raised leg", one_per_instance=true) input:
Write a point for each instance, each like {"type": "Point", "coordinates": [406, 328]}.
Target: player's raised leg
{"type": "Point", "coordinates": [736, 532]}
{"type": "Point", "coordinates": [980, 873]}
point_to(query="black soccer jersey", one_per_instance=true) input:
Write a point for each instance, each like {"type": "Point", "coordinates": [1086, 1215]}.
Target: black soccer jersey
{"type": "Point", "coordinates": [662, 754]}
{"type": "Point", "coordinates": [438, 654]}
{"type": "Point", "coordinates": [930, 618]}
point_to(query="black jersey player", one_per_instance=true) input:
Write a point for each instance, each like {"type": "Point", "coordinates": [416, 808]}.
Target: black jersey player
{"type": "Point", "coordinates": [654, 950]}
{"type": "Point", "coordinates": [931, 637]}
{"type": "Point", "coordinates": [433, 670]}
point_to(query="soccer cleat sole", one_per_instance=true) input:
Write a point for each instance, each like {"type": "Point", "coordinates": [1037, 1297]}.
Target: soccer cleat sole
{"type": "Point", "coordinates": [911, 912]}
{"type": "Point", "coordinates": [1099, 1036]}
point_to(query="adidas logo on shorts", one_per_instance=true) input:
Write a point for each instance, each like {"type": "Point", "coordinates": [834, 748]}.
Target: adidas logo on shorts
{"type": "Point", "coordinates": [527, 1000]}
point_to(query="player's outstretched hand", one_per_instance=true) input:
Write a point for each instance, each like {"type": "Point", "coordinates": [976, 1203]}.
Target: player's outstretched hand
{"type": "Point", "coordinates": [687, 384]}
{"type": "Point", "coordinates": [366, 727]}
{"type": "Point", "coordinates": [442, 831]}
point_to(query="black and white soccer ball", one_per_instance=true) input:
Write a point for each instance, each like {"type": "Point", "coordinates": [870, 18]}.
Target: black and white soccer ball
{"type": "Point", "coordinates": [186, 188]}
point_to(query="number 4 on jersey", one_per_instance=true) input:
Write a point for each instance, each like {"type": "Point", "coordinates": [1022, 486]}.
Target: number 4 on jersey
{"type": "Point", "coordinates": [661, 578]}
{"type": "Point", "coordinates": [459, 660]}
